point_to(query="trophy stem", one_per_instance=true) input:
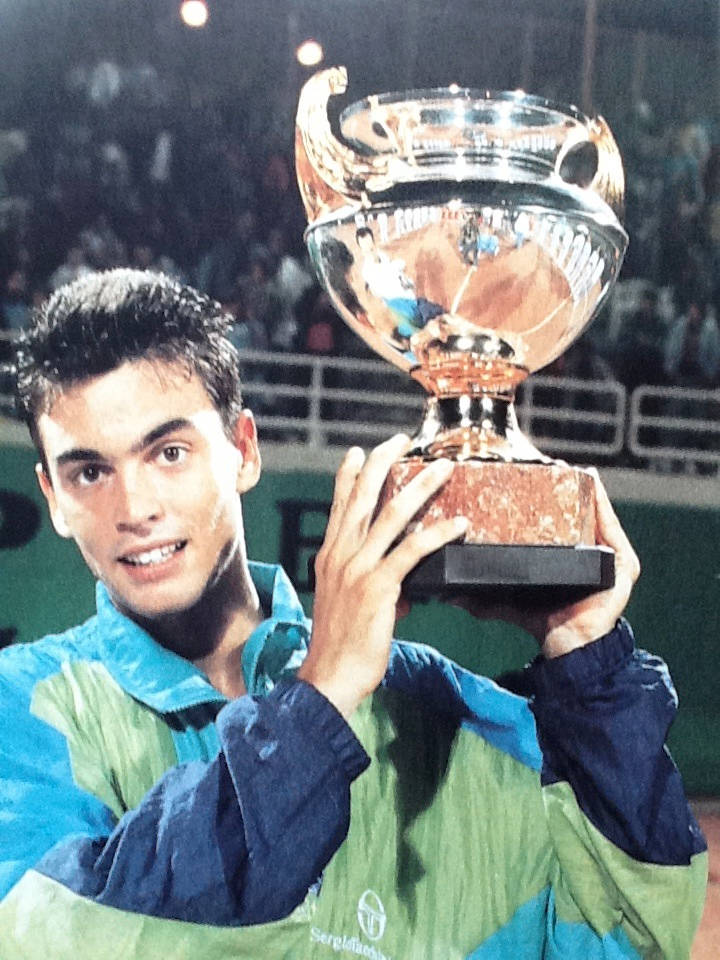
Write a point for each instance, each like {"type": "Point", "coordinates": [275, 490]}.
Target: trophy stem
{"type": "Point", "coordinates": [474, 427]}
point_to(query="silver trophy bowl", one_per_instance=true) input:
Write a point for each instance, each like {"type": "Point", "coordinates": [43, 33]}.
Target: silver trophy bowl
{"type": "Point", "coordinates": [468, 237]}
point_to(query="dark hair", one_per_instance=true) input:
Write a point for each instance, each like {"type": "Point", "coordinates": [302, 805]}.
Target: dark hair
{"type": "Point", "coordinates": [93, 325]}
{"type": "Point", "coordinates": [364, 232]}
{"type": "Point", "coordinates": [649, 294]}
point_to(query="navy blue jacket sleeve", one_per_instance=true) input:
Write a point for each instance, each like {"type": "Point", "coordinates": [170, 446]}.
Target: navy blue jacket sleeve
{"type": "Point", "coordinates": [603, 712]}
{"type": "Point", "coordinates": [236, 841]}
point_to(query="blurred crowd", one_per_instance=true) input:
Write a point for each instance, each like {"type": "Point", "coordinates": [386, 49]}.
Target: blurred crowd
{"type": "Point", "coordinates": [202, 193]}
{"type": "Point", "coordinates": [666, 326]}
{"type": "Point", "coordinates": [207, 193]}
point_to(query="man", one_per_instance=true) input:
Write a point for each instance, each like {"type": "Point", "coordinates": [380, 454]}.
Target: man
{"type": "Point", "coordinates": [183, 777]}
{"type": "Point", "coordinates": [386, 279]}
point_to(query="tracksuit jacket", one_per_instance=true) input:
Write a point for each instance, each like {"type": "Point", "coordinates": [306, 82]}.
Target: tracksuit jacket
{"type": "Point", "coordinates": [144, 816]}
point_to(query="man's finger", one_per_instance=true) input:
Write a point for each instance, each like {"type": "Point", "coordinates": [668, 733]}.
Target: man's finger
{"type": "Point", "coordinates": [415, 546]}
{"type": "Point", "coordinates": [345, 480]}
{"type": "Point", "coordinates": [609, 531]}
{"type": "Point", "coordinates": [364, 496]}
{"type": "Point", "coordinates": [398, 512]}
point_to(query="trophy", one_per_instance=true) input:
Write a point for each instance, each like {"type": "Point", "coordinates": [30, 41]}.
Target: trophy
{"type": "Point", "coordinates": [469, 237]}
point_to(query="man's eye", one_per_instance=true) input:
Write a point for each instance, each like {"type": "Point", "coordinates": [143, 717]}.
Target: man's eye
{"type": "Point", "coordinates": [90, 473]}
{"type": "Point", "coordinates": [173, 454]}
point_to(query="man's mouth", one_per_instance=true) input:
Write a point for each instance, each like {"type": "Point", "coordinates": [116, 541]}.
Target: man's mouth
{"type": "Point", "coordinates": [147, 558]}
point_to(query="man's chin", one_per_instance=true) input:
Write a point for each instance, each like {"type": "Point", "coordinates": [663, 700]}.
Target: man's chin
{"type": "Point", "coordinates": [152, 608]}
{"type": "Point", "coordinates": [174, 595]}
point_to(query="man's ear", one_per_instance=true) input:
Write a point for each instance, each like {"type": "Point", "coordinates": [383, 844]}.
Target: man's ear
{"type": "Point", "coordinates": [56, 514]}
{"type": "Point", "coordinates": [246, 442]}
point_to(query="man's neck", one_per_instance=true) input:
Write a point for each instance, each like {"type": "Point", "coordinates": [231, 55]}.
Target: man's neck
{"type": "Point", "coordinates": [213, 632]}
{"type": "Point", "coordinates": [223, 664]}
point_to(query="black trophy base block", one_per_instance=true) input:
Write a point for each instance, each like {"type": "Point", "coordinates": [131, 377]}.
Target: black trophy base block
{"type": "Point", "coordinates": [503, 573]}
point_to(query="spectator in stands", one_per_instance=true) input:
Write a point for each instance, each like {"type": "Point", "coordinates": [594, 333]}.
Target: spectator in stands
{"type": "Point", "coordinates": [16, 302]}
{"type": "Point", "coordinates": [114, 174]}
{"type": "Point", "coordinates": [640, 141]}
{"type": "Point", "coordinates": [639, 358]}
{"type": "Point", "coordinates": [228, 257]}
{"type": "Point", "coordinates": [101, 245]}
{"type": "Point", "coordinates": [581, 361]}
{"type": "Point", "coordinates": [321, 320]}
{"type": "Point", "coordinates": [692, 348]}
{"type": "Point", "coordinates": [12, 144]}
{"type": "Point", "coordinates": [278, 190]}
{"type": "Point", "coordinates": [692, 361]}
{"type": "Point", "coordinates": [695, 134]}
{"type": "Point", "coordinates": [236, 177]}
{"type": "Point", "coordinates": [260, 306]}
{"type": "Point", "coordinates": [711, 224]}
{"type": "Point", "coordinates": [682, 199]}
{"type": "Point", "coordinates": [144, 258]}
{"type": "Point", "coordinates": [73, 267]}
{"type": "Point", "coordinates": [290, 276]}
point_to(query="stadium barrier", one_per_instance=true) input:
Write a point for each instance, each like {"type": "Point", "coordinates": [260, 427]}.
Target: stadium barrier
{"type": "Point", "coordinates": [321, 402]}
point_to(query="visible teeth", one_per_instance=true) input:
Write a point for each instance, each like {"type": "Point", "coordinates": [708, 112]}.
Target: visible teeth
{"type": "Point", "coordinates": [153, 556]}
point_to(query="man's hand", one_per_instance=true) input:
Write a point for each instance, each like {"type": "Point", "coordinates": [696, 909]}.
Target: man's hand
{"type": "Point", "coordinates": [360, 568]}
{"type": "Point", "coordinates": [560, 630]}
{"type": "Point", "coordinates": [592, 617]}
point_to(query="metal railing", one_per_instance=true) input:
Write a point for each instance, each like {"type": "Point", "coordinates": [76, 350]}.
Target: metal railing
{"type": "Point", "coordinates": [675, 426]}
{"type": "Point", "coordinates": [328, 401]}
{"type": "Point", "coordinates": [331, 401]}
{"type": "Point", "coordinates": [572, 417]}
{"type": "Point", "coordinates": [320, 402]}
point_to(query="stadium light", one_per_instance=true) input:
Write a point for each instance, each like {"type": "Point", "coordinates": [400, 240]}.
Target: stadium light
{"type": "Point", "coordinates": [194, 13]}
{"type": "Point", "coordinates": [310, 53]}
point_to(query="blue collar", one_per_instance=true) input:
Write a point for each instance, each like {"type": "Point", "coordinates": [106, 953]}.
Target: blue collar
{"type": "Point", "coordinates": [167, 682]}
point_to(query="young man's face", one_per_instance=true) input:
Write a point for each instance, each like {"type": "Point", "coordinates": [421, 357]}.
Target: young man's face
{"type": "Point", "coordinates": [366, 242]}
{"type": "Point", "coordinates": [146, 481]}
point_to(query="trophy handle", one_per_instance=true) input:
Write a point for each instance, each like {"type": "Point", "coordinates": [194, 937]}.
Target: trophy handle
{"type": "Point", "coordinates": [590, 159]}
{"type": "Point", "coordinates": [609, 181]}
{"type": "Point", "coordinates": [330, 174]}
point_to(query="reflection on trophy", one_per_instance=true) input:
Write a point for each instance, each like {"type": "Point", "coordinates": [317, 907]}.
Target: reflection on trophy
{"type": "Point", "coordinates": [469, 238]}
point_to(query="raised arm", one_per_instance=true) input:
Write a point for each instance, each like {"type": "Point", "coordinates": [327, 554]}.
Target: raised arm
{"type": "Point", "coordinates": [631, 854]}
{"type": "Point", "coordinates": [360, 569]}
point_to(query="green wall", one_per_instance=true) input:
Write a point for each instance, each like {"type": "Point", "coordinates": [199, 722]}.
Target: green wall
{"type": "Point", "coordinates": [44, 587]}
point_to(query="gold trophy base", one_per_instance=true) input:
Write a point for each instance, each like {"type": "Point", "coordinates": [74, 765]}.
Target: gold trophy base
{"type": "Point", "coordinates": [531, 534]}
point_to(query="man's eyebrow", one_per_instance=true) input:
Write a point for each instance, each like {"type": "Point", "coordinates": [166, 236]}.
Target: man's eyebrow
{"type": "Point", "coordinates": [85, 455]}
{"type": "Point", "coordinates": [78, 455]}
{"type": "Point", "coordinates": [162, 430]}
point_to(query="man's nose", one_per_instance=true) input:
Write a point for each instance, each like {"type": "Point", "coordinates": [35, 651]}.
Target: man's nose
{"type": "Point", "coordinates": [137, 500]}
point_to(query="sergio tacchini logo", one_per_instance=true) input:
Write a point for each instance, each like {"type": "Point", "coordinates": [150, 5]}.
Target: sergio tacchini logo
{"type": "Point", "coordinates": [371, 915]}
{"type": "Point", "coordinates": [372, 920]}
